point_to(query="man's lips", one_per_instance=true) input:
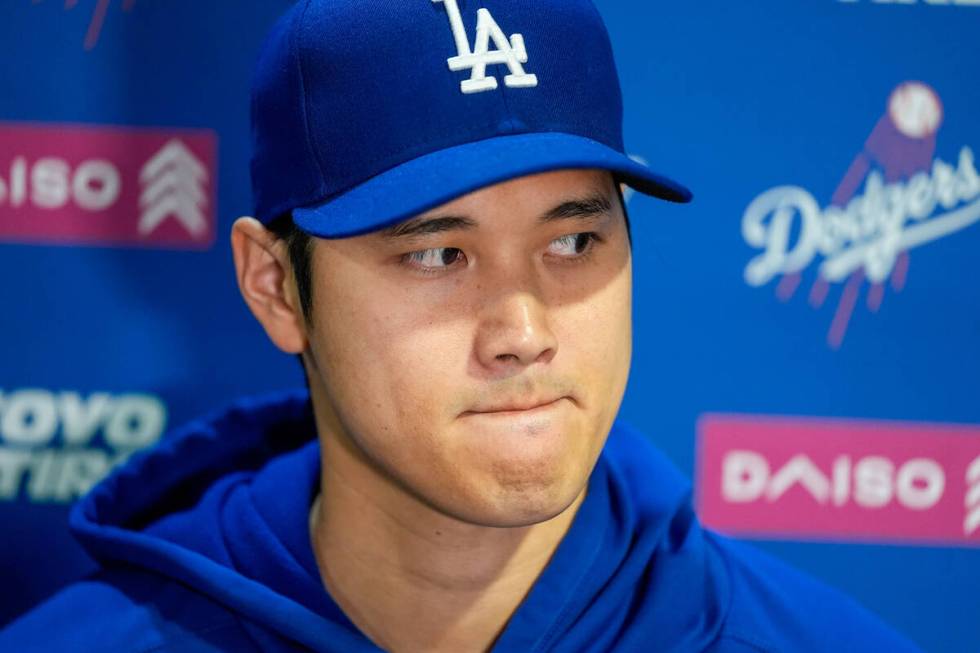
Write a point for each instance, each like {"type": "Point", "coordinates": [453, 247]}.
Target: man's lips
{"type": "Point", "coordinates": [514, 407]}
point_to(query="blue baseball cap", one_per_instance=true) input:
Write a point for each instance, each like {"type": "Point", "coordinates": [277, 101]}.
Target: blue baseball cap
{"type": "Point", "coordinates": [368, 113]}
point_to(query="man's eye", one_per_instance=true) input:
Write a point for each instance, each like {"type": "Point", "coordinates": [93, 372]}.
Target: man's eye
{"type": "Point", "coordinates": [574, 245]}
{"type": "Point", "coordinates": [433, 260]}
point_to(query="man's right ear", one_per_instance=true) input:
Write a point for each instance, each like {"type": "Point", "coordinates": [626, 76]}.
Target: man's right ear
{"type": "Point", "coordinates": [267, 284]}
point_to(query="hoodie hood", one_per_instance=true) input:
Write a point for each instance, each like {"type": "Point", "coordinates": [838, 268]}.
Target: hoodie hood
{"type": "Point", "coordinates": [221, 506]}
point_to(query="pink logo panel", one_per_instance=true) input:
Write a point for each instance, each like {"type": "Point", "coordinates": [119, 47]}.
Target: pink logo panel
{"type": "Point", "coordinates": [94, 185]}
{"type": "Point", "coordinates": [839, 479]}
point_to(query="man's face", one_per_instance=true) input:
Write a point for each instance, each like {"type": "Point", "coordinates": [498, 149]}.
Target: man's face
{"type": "Point", "coordinates": [429, 342]}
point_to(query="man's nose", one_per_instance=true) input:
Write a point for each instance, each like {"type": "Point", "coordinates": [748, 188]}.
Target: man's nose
{"type": "Point", "coordinates": [514, 327]}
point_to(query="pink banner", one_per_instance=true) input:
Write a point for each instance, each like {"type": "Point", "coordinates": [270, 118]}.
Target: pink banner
{"type": "Point", "coordinates": [807, 478]}
{"type": "Point", "coordinates": [96, 185]}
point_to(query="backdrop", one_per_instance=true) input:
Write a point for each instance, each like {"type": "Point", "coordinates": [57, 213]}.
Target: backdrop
{"type": "Point", "coordinates": [807, 333]}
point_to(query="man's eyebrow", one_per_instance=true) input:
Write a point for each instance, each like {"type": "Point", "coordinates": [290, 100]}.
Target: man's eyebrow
{"type": "Point", "coordinates": [577, 209]}
{"type": "Point", "coordinates": [426, 226]}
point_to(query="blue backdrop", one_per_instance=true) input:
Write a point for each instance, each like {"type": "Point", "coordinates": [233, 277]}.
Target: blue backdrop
{"type": "Point", "coordinates": [109, 339]}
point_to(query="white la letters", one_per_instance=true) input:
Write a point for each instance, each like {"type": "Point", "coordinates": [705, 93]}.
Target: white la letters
{"type": "Point", "coordinates": [510, 52]}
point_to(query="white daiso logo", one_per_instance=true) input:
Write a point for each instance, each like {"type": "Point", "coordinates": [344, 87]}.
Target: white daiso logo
{"type": "Point", "coordinates": [868, 482]}
{"type": "Point", "coordinates": [51, 183]}
{"type": "Point", "coordinates": [174, 184]}
{"type": "Point", "coordinates": [971, 523]}
{"type": "Point", "coordinates": [54, 446]}
{"type": "Point", "coordinates": [870, 232]}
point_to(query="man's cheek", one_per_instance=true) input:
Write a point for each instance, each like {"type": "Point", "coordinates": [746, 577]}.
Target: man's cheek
{"type": "Point", "coordinates": [596, 341]}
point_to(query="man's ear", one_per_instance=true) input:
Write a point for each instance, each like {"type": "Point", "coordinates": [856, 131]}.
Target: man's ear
{"type": "Point", "coordinates": [267, 284]}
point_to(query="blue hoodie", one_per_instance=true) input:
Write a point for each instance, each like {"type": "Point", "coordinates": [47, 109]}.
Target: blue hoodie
{"type": "Point", "coordinates": [204, 546]}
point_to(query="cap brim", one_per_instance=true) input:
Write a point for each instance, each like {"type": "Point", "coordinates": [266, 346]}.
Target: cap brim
{"type": "Point", "coordinates": [440, 177]}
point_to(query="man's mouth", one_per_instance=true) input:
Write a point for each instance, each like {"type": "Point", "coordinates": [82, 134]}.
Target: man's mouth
{"type": "Point", "coordinates": [516, 407]}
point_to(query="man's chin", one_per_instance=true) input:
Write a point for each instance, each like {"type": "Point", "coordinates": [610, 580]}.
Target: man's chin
{"type": "Point", "coordinates": [539, 515]}
{"type": "Point", "coordinates": [523, 508]}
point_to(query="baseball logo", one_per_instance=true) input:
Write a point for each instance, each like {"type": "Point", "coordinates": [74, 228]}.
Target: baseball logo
{"type": "Point", "coordinates": [915, 109]}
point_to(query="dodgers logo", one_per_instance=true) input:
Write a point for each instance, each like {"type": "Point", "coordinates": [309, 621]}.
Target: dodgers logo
{"type": "Point", "coordinates": [910, 198]}
{"type": "Point", "coordinates": [510, 52]}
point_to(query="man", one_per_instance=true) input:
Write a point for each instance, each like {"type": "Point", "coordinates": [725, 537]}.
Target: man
{"type": "Point", "coordinates": [440, 237]}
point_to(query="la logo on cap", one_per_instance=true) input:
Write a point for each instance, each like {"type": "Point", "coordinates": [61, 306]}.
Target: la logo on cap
{"type": "Point", "coordinates": [509, 51]}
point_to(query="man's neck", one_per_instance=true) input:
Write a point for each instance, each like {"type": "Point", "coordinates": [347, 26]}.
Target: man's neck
{"type": "Point", "coordinates": [414, 579]}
